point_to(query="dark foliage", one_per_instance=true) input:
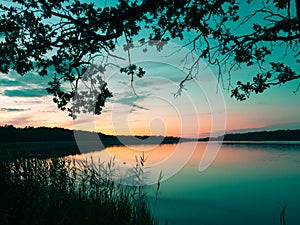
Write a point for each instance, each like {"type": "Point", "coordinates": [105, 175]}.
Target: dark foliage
{"type": "Point", "coordinates": [278, 135]}
{"type": "Point", "coordinates": [57, 191]}
{"type": "Point", "coordinates": [65, 37]}
{"type": "Point", "coordinates": [50, 142]}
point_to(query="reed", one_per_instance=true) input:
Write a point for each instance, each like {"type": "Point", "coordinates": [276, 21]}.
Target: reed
{"type": "Point", "coordinates": [59, 191]}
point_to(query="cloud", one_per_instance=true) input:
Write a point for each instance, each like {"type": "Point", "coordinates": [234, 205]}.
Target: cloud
{"type": "Point", "coordinates": [27, 101]}
{"type": "Point", "coordinates": [9, 83]}
{"type": "Point", "coordinates": [132, 101]}
{"type": "Point", "coordinates": [16, 121]}
{"type": "Point", "coordinates": [135, 106]}
{"type": "Point", "coordinates": [122, 82]}
{"type": "Point", "coordinates": [30, 80]}
{"type": "Point", "coordinates": [34, 92]}
{"type": "Point", "coordinates": [13, 109]}
{"type": "Point", "coordinates": [127, 100]}
{"type": "Point", "coordinates": [140, 107]}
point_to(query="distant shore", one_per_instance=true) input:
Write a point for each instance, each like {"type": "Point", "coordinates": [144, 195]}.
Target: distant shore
{"type": "Point", "coordinates": [59, 142]}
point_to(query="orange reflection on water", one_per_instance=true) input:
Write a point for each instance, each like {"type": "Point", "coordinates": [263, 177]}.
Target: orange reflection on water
{"type": "Point", "coordinates": [175, 155]}
{"type": "Point", "coordinates": [128, 154]}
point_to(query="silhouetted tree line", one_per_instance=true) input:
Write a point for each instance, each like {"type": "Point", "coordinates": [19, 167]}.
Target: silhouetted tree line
{"type": "Point", "coordinates": [278, 135]}
{"type": "Point", "coordinates": [9, 133]}
{"type": "Point", "coordinates": [57, 142]}
{"type": "Point", "coordinates": [51, 142]}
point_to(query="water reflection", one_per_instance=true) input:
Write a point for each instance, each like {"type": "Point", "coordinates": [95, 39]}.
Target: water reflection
{"type": "Point", "coordinates": [153, 160]}
{"type": "Point", "coordinates": [246, 183]}
{"type": "Point", "coordinates": [230, 154]}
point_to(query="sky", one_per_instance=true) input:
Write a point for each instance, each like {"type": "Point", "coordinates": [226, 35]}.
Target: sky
{"type": "Point", "coordinates": [154, 110]}
{"type": "Point", "coordinates": [203, 108]}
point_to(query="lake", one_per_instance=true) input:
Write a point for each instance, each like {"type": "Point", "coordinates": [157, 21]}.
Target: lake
{"type": "Point", "coordinates": [247, 183]}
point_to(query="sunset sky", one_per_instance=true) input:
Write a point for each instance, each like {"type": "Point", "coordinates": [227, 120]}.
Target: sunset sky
{"type": "Point", "coordinates": [199, 111]}
{"type": "Point", "coordinates": [24, 102]}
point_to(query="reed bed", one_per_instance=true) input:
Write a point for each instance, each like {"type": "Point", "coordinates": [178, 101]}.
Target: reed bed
{"type": "Point", "coordinates": [59, 191]}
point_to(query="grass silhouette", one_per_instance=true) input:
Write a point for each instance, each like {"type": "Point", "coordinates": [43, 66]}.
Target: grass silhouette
{"type": "Point", "coordinates": [59, 191]}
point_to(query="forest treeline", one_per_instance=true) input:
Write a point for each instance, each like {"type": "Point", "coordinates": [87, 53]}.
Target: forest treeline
{"type": "Point", "coordinates": [9, 133]}
{"type": "Point", "coordinates": [56, 142]}
{"type": "Point", "coordinates": [278, 135]}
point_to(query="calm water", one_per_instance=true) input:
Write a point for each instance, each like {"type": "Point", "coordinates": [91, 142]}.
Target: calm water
{"type": "Point", "coordinates": [245, 184]}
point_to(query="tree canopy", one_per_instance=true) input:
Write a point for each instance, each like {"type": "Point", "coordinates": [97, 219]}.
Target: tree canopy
{"type": "Point", "coordinates": [65, 36]}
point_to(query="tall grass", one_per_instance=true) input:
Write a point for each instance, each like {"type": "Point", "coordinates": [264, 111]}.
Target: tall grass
{"type": "Point", "coordinates": [59, 191]}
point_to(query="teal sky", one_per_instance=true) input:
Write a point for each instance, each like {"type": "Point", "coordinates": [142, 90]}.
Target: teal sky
{"type": "Point", "coordinates": [24, 101]}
